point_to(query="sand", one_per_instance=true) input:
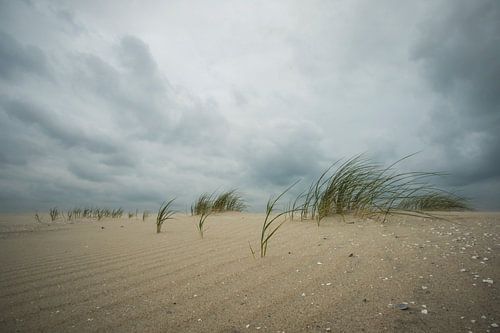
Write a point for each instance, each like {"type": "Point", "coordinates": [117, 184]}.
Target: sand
{"type": "Point", "coordinates": [119, 275]}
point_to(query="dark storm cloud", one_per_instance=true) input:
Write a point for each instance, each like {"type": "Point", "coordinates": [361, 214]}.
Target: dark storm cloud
{"type": "Point", "coordinates": [459, 51]}
{"type": "Point", "coordinates": [17, 60]}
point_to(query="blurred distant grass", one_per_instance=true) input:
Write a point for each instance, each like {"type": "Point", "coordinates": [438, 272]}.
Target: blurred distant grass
{"type": "Point", "coordinates": [54, 213]}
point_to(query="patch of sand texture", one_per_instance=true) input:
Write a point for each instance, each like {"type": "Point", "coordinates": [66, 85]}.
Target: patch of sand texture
{"type": "Point", "coordinates": [119, 275]}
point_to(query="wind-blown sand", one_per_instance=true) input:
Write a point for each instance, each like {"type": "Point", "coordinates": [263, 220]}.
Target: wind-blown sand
{"type": "Point", "coordinates": [341, 277]}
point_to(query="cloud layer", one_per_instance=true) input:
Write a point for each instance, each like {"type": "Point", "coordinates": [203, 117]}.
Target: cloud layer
{"type": "Point", "coordinates": [118, 105]}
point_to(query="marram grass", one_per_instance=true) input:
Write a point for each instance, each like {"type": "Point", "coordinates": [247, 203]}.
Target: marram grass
{"type": "Point", "coordinates": [434, 201]}
{"type": "Point", "coordinates": [203, 207]}
{"type": "Point", "coordinates": [201, 221]}
{"type": "Point", "coordinates": [272, 223]}
{"type": "Point", "coordinates": [202, 204]}
{"type": "Point", "coordinates": [363, 188]}
{"type": "Point", "coordinates": [164, 213]}
{"type": "Point", "coordinates": [54, 213]}
{"type": "Point", "coordinates": [229, 201]}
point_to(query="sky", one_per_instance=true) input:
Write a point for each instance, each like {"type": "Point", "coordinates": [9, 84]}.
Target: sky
{"type": "Point", "coordinates": [130, 103]}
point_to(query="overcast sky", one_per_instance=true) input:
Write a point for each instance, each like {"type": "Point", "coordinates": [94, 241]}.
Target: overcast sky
{"type": "Point", "coordinates": [129, 103]}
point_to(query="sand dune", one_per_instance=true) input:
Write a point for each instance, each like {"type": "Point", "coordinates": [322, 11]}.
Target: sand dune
{"type": "Point", "coordinates": [118, 275]}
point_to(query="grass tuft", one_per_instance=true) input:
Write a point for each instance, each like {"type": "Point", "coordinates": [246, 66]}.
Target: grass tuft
{"type": "Point", "coordinates": [229, 201]}
{"type": "Point", "coordinates": [434, 201]}
{"type": "Point", "coordinates": [361, 187]}
{"type": "Point", "coordinates": [202, 204]}
{"type": "Point", "coordinates": [201, 221]}
{"type": "Point", "coordinates": [54, 213]}
{"type": "Point", "coordinates": [164, 213]}
{"type": "Point", "coordinates": [270, 225]}
{"type": "Point", "coordinates": [38, 218]}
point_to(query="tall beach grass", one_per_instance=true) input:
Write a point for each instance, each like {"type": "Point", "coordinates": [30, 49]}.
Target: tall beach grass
{"type": "Point", "coordinates": [364, 188]}
{"type": "Point", "coordinates": [165, 213]}
{"type": "Point", "coordinates": [229, 201]}
{"type": "Point", "coordinates": [272, 223]}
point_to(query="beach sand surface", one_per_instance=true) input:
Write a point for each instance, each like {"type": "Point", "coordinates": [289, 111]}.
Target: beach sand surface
{"type": "Point", "coordinates": [352, 275]}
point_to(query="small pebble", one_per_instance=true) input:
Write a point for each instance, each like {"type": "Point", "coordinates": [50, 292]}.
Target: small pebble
{"type": "Point", "coordinates": [402, 306]}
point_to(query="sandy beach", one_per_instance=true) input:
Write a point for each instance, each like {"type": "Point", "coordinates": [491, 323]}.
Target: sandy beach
{"type": "Point", "coordinates": [344, 276]}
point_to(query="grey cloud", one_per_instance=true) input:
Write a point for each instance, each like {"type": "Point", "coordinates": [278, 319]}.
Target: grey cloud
{"type": "Point", "coordinates": [136, 57]}
{"type": "Point", "coordinates": [104, 168]}
{"type": "Point", "coordinates": [92, 173]}
{"type": "Point", "coordinates": [97, 76]}
{"type": "Point", "coordinates": [17, 60]}
{"type": "Point", "coordinates": [292, 152]}
{"type": "Point", "coordinates": [54, 127]}
{"type": "Point", "coordinates": [142, 112]}
{"type": "Point", "coordinates": [459, 52]}
{"type": "Point", "coordinates": [134, 104]}
{"type": "Point", "coordinates": [175, 106]}
{"type": "Point", "coordinates": [18, 145]}
{"type": "Point", "coordinates": [143, 100]}
{"type": "Point", "coordinates": [70, 21]}
{"type": "Point", "coordinates": [120, 159]}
